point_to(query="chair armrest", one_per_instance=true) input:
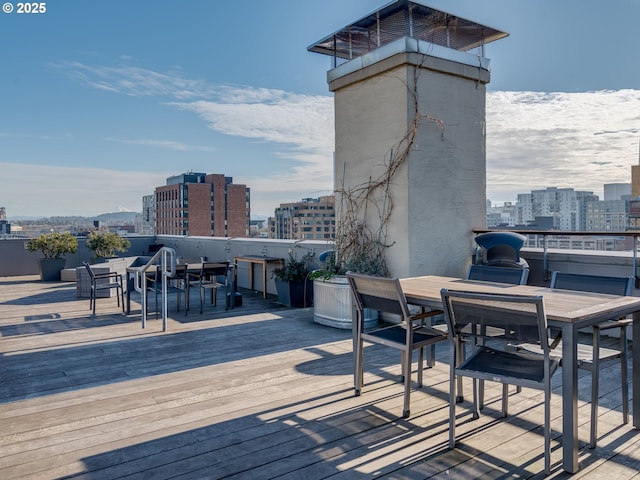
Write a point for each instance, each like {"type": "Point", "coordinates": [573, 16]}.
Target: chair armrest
{"type": "Point", "coordinates": [623, 322]}
{"type": "Point", "coordinates": [193, 277]}
{"type": "Point", "coordinates": [107, 275]}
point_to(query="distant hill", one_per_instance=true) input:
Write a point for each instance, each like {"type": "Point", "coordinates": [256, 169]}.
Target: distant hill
{"type": "Point", "coordinates": [114, 218]}
{"type": "Point", "coordinates": [117, 217]}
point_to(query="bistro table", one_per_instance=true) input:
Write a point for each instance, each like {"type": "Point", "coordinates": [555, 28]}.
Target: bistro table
{"type": "Point", "coordinates": [567, 310]}
{"type": "Point", "coordinates": [192, 268]}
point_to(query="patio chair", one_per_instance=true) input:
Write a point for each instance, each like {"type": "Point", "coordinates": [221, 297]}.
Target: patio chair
{"type": "Point", "coordinates": [386, 296]}
{"type": "Point", "coordinates": [154, 284]}
{"type": "Point", "coordinates": [209, 279]}
{"type": "Point", "coordinates": [590, 356]}
{"type": "Point", "coordinates": [104, 281]}
{"type": "Point", "coordinates": [180, 280]}
{"type": "Point", "coordinates": [486, 273]}
{"type": "Point", "coordinates": [496, 274]}
{"type": "Point", "coordinates": [521, 318]}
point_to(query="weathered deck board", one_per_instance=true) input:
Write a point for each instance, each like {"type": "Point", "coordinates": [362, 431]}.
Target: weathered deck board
{"type": "Point", "coordinates": [260, 391]}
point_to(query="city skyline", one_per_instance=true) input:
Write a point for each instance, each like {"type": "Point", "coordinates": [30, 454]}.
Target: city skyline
{"type": "Point", "coordinates": [103, 102]}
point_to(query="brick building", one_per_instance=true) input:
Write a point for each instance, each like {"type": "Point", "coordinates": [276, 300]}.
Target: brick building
{"type": "Point", "coordinates": [202, 204]}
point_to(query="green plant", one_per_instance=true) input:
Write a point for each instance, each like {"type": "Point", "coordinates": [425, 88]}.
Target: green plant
{"type": "Point", "coordinates": [106, 244]}
{"type": "Point", "coordinates": [293, 270]}
{"type": "Point", "coordinates": [53, 245]}
{"type": "Point", "coordinates": [329, 269]}
{"type": "Point", "coordinates": [360, 257]}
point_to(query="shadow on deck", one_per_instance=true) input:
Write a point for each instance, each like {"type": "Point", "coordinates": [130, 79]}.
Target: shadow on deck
{"type": "Point", "coordinates": [257, 392]}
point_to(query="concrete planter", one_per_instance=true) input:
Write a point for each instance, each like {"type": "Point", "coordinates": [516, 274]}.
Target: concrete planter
{"type": "Point", "coordinates": [297, 294]}
{"type": "Point", "coordinates": [333, 304]}
{"type": "Point", "coordinates": [50, 268]}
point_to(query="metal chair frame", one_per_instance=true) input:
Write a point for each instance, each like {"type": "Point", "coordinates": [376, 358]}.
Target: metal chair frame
{"type": "Point", "coordinates": [180, 279]}
{"type": "Point", "coordinates": [590, 356]}
{"type": "Point", "coordinates": [104, 281]}
{"type": "Point", "coordinates": [495, 274]}
{"type": "Point", "coordinates": [521, 318]}
{"type": "Point", "coordinates": [207, 279]}
{"type": "Point", "coordinates": [386, 296]}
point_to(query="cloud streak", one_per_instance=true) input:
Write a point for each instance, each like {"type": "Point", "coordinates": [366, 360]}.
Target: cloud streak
{"type": "Point", "coordinates": [134, 81]}
{"type": "Point", "coordinates": [162, 144]}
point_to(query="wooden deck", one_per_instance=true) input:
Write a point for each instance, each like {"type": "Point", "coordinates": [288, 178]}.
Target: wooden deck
{"type": "Point", "coordinates": [258, 392]}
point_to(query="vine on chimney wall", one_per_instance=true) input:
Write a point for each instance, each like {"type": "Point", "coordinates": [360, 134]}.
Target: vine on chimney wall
{"type": "Point", "coordinates": [360, 243]}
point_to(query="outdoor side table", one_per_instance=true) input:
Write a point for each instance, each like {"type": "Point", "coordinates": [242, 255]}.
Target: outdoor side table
{"type": "Point", "coordinates": [251, 259]}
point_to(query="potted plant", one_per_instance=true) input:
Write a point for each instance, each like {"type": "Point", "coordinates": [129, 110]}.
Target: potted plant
{"type": "Point", "coordinates": [106, 244]}
{"type": "Point", "coordinates": [332, 300]}
{"type": "Point", "coordinates": [52, 246]}
{"type": "Point", "coordinates": [292, 283]}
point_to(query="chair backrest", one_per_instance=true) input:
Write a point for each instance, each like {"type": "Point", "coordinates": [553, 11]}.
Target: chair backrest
{"type": "Point", "coordinates": [187, 260]}
{"type": "Point", "coordinates": [486, 273]}
{"type": "Point", "coordinates": [378, 293]}
{"type": "Point", "coordinates": [592, 283]}
{"type": "Point", "coordinates": [214, 269]}
{"type": "Point", "coordinates": [501, 248]}
{"type": "Point", "coordinates": [88, 267]}
{"type": "Point", "coordinates": [479, 316]}
{"type": "Point", "coordinates": [180, 271]}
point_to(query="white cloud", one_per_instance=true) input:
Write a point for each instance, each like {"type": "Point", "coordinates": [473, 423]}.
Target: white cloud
{"type": "Point", "coordinates": [579, 140]}
{"type": "Point", "coordinates": [302, 124]}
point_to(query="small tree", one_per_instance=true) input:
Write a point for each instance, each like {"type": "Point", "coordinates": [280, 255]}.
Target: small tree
{"type": "Point", "coordinates": [106, 244]}
{"type": "Point", "coordinates": [53, 245]}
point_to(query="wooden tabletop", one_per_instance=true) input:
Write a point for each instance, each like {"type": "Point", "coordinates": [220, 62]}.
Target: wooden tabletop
{"type": "Point", "coordinates": [560, 305]}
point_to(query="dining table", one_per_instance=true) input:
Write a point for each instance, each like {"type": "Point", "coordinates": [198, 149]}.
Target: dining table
{"type": "Point", "coordinates": [567, 310]}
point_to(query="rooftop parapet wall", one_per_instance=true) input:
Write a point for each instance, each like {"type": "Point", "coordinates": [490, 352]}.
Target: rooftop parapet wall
{"type": "Point", "coordinates": [571, 261]}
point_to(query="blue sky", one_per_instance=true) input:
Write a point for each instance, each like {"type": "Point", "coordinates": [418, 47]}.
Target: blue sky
{"type": "Point", "coordinates": [103, 100]}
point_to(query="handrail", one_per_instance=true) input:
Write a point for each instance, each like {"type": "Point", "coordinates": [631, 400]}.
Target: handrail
{"type": "Point", "coordinates": [569, 233]}
{"type": "Point", "coordinates": [167, 257]}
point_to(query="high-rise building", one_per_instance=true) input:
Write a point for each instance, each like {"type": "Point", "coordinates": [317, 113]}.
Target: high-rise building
{"type": "Point", "coordinates": [202, 204]}
{"type": "Point", "coordinates": [5, 226]}
{"type": "Point", "coordinates": [148, 222]}
{"type": "Point", "coordinates": [616, 191]}
{"type": "Point", "coordinates": [608, 215]}
{"type": "Point", "coordinates": [309, 219]}
{"type": "Point", "coordinates": [635, 177]}
{"type": "Point", "coordinates": [634, 202]}
{"type": "Point", "coordinates": [566, 206]}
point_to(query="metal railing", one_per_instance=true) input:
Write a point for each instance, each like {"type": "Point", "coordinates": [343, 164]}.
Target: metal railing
{"type": "Point", "coordinates": [164, 264]}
